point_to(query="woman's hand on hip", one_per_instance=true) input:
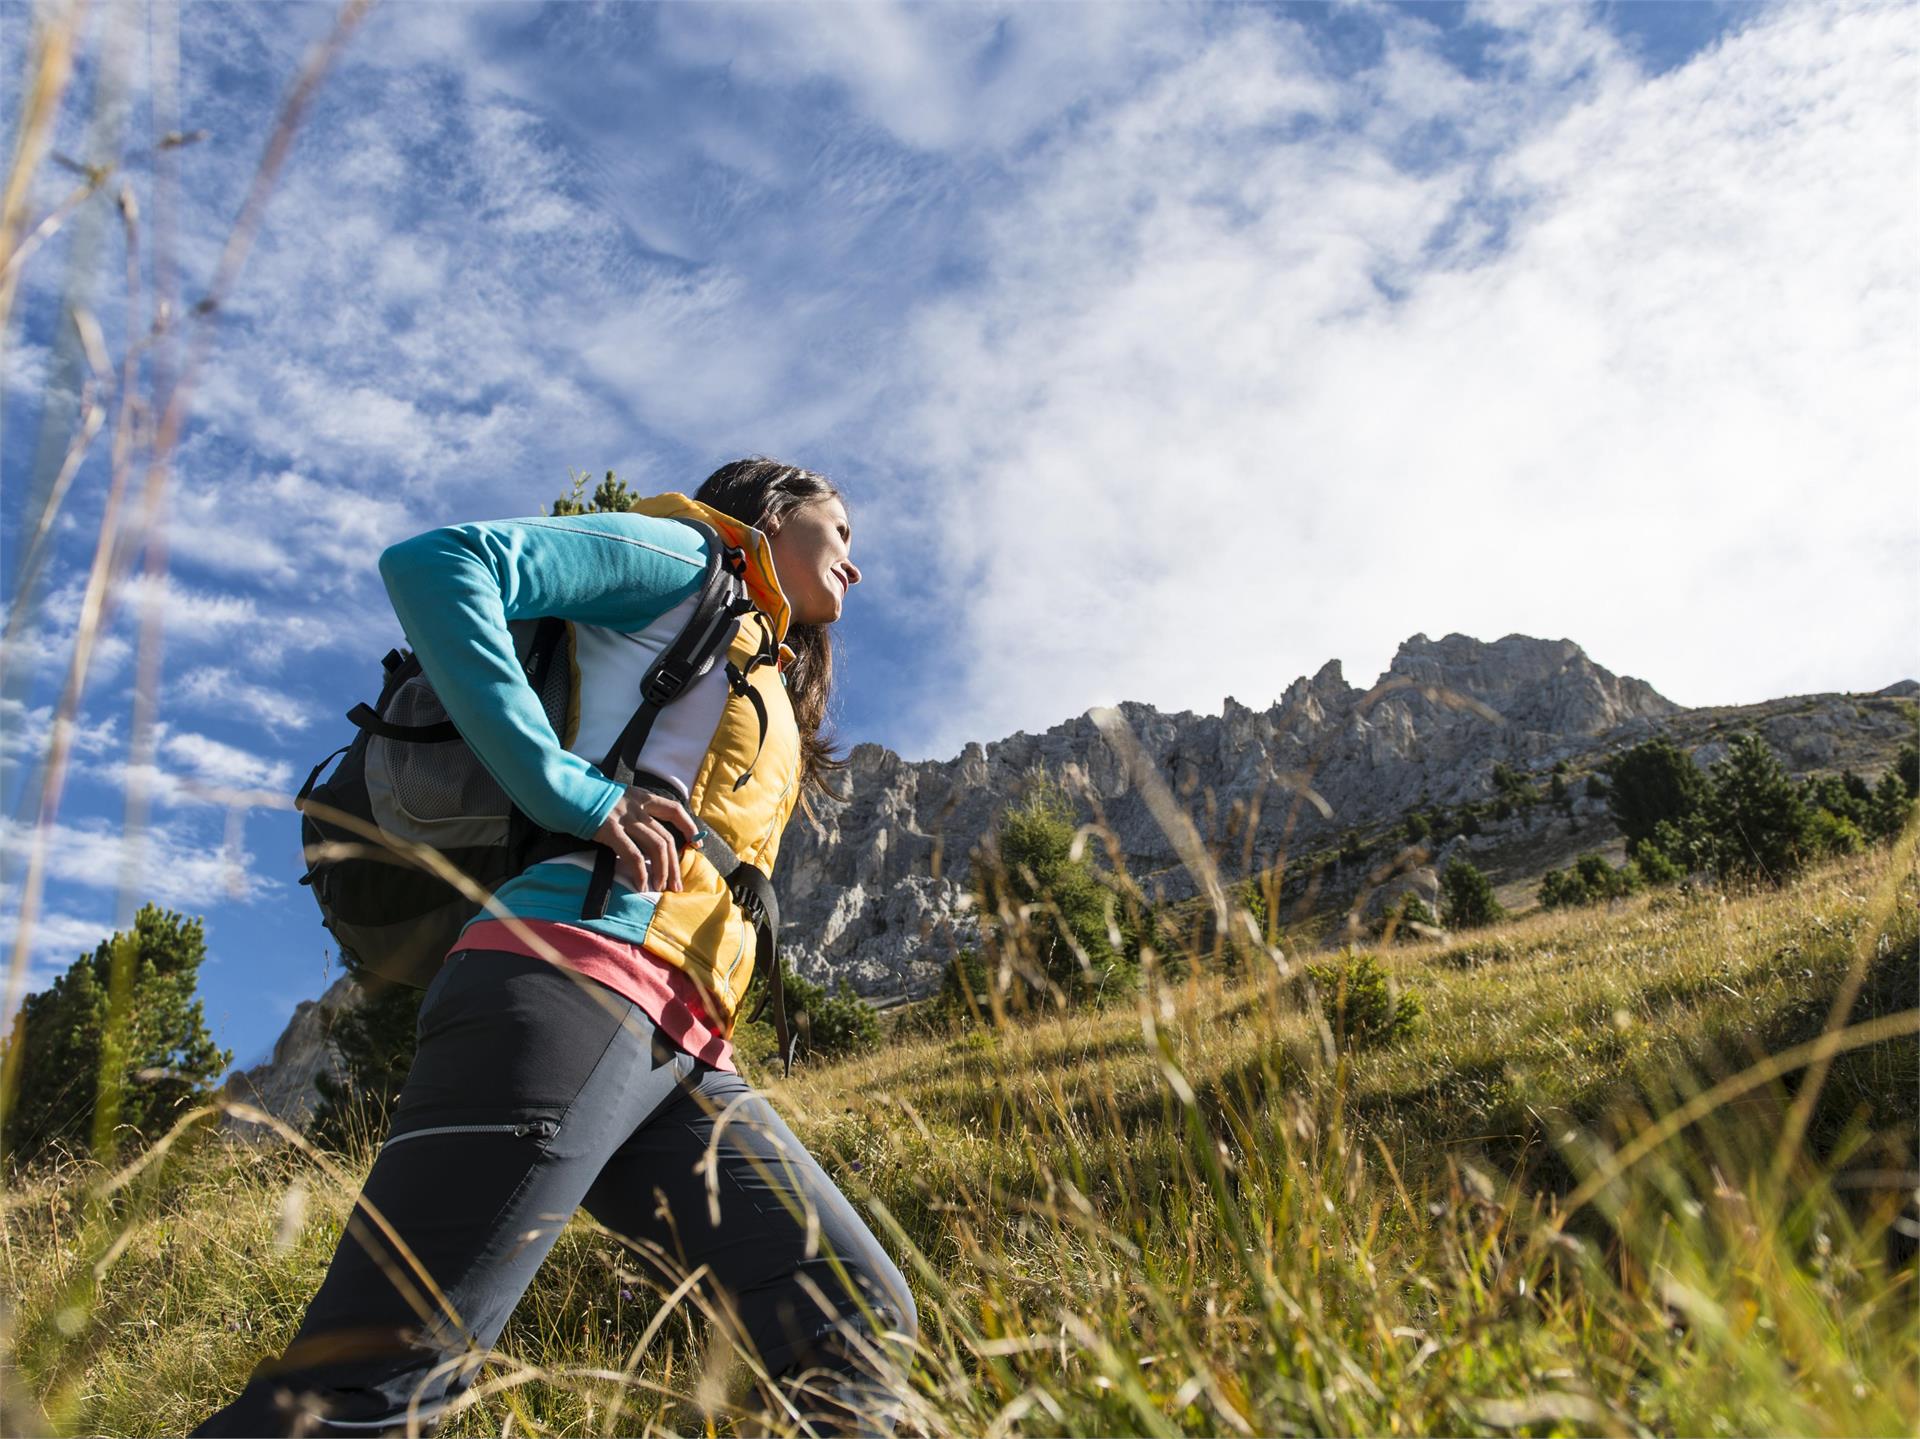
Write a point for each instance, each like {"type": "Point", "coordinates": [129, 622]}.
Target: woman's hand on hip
{"type": "Point", "coordinates": [645, 832]}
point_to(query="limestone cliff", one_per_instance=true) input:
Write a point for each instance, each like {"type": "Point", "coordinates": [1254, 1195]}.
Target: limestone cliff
{"type": "Point", "coordinates": [874, 884]}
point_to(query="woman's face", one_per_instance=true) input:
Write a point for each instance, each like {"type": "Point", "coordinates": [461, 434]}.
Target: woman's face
{"type": "Point", "coordinates": [810, 557]}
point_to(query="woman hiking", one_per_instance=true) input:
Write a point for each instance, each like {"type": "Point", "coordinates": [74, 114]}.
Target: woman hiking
{"type": "Point", "coordinates": [605, 1080]}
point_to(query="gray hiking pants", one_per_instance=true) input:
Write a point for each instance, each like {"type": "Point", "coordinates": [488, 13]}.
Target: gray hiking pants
{"type": "Point", "coordinates": [535, 1093]}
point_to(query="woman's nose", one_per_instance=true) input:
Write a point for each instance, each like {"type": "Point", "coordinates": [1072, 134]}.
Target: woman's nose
{"type": "Point", "coordinates": [853, 573]}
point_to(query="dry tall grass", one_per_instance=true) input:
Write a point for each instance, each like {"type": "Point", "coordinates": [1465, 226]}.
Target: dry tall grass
{"type": "Point", "coordinates": [1182, 1215]}
{"type": "Point", "coordinates": [1648, 1170]}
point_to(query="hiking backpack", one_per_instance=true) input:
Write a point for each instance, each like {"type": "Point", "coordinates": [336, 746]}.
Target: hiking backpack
{"type": "Point", "coordinates": [408, 776]}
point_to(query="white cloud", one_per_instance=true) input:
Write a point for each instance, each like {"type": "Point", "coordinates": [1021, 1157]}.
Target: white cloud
{"type": "Point", "coordinates": [24, 367]}
{"type": "Point", "coordinates": [65, 937]}
{"type": "Point", "coordinates": [214, 687]}
{"type": "Point", "coordinates": [26, 731]}
{"type": "Point", "coordinates": [57, 941]}
{"type": "Point", "coordinates": [43, 645]}
{"type": "Point", "coordinates": [209, 761]}
{"type": "Point", "coordinates": [286, 529]}
{"type": "Point", "coordinates": [195, 617]}
{"type": "Point", "coordinates": [171, 864]}
{"type": "Point", "coordinates": [186, 612]}
{"type": "Point", "coordinates": [191, 769]}
{"type": "Point", "coordinates": [934, 76]}
{"type": "Point", "coordinates": [1225, 406]}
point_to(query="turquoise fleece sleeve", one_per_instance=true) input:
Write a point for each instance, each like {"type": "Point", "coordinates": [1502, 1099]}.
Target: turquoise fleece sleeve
{"type": "Point", "coordinates": [455, 589]}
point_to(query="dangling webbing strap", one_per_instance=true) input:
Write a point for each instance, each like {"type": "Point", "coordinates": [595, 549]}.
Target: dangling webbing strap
{"type": "Point", "coordinates": [767, 654]}
{"type": "Point", "coordinates": [753, 891]}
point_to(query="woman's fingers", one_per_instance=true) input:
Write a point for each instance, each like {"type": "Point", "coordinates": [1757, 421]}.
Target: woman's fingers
{"type": "Point", "coordinates": [670, 812]}
{"type": "Point", "coordinates": [628, 861]}
{"type": "Point", "coordinates": [645, 832]}
{"type": "Point", "coordinates": [663, 860]}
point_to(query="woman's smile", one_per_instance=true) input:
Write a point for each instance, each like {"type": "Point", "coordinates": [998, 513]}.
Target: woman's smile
{"type": "Point", "coordinates": [810, 555]}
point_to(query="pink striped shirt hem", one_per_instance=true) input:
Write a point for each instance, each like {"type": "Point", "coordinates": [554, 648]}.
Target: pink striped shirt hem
{"type": "Point", "coordinates": [671, 1000]}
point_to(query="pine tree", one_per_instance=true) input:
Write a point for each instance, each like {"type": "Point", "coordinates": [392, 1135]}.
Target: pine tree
{"type": "Point", "coordinates": [1067, 905]}
{"type": "Point", "coordinates": [1466, 897]}
{"type": "Point", "coordinates": [1754, 814]}
{"type": "Point", "coordinates": [110, 1055]}
{"type": "Point", "coordinates": [611, 494]}
{"type": "Point", "coordinates": [827, 1025]}
{"type": "Point", "coordinates": [1653, 782]}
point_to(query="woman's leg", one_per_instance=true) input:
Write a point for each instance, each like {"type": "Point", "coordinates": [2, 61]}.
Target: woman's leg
{"type": "Point", "coordinates": [527, 1078]}
{"type": "Point", "coordinates": [717, 1178]}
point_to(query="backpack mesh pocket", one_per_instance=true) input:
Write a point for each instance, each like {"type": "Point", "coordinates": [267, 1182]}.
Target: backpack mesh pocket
{"type": "Point", "coordinates": [556, 696]}
{"type": "Point", "coordinates": [438, 794]}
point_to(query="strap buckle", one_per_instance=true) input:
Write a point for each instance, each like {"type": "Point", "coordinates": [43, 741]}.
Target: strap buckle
{"type": "Point", "coordinates": [663, 687]}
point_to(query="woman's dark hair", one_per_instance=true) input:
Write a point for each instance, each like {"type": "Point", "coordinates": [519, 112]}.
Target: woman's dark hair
{"type": "Point", "coordinates": [762, 493]}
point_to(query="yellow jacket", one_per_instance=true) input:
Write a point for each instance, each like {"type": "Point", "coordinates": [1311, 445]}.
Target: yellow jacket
{"type": "Point", "coordinates": [625, 583]}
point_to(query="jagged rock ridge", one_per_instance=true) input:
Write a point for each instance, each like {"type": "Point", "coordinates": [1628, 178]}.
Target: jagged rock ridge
{"type": "Point", "coordinates": [874, 886]}
{"type": "Point", "coordinates": [284, 1085]}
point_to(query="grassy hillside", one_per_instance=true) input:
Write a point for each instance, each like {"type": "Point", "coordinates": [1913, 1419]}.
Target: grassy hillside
{"type": "Point", "coordinates": [1599, 1189]}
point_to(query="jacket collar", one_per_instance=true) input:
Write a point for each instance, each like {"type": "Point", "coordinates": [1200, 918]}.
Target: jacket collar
{"type": "Point", "coordinates": [762, 583]}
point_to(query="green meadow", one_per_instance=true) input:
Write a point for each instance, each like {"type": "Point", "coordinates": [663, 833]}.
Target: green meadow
{"type": "Point", "coordinates": [1645, 1168]}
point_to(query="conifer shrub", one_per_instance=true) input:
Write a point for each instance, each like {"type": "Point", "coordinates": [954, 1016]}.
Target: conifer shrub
{"type": "Point", "coordinates": [836, 1025]}
{"type": "Point", "coordinates": [1514, 790]}
{"type": "Point", "coordinates": [1049, 908]}
{"type": "Point", "coordinates": [1829, 834]}
{"type": "Point", "coordinates": [1657, 867]}
{"type": "Point", "coordinates": [964, 994]}
{"type": "Point", "coordinates": [1892, 803]}
{"type": "Point", "coordinates": [1414, 910]}
{"type": "Point", "coordinates": [1360, 1002]}
{"type": "Point", "coordinates": [1466, 897]}
{"type": "Point", "coordinates": [1397, 922]}
{"type": "Point", "coordinates": [376, 1040]}
{"type": "Point", "coordinates": [1591, 881]}
{"type": "Point", "coordinates": [1252, 896]}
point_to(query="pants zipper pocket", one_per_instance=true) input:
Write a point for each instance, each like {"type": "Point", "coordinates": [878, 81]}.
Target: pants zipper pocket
{"type": "Point", "coordinates": [545, 1128]}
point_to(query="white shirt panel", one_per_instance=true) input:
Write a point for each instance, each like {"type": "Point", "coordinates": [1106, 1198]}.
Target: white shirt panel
{"type": "Point", "coordinates": [612, 665]}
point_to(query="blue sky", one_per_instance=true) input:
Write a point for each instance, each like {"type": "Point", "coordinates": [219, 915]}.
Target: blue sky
{"type": "Point", "coordinates": [1164, 353]}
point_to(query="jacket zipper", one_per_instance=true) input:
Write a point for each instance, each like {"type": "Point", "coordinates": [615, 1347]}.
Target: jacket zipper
{"type": "Point", "coordinates": [545, 1128]}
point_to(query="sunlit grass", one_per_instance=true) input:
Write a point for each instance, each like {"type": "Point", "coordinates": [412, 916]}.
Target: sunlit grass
{"type": "Point", "coordinates": [1187, 1214]}
{"type": "Point", "coordinates": [1184, 1212]}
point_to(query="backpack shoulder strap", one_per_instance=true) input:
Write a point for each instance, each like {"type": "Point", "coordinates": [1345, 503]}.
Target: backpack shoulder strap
{"type": "Point", "coordinates": [722, 599]}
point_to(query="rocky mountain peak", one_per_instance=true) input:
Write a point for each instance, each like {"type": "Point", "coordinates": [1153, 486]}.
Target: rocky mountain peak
{"type": "Point", "coordinates": [875, 884]}
{"type": "Point", "coordinates": [876, 887]}
{"type": "Point", "coordinates": [1548, 685]}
